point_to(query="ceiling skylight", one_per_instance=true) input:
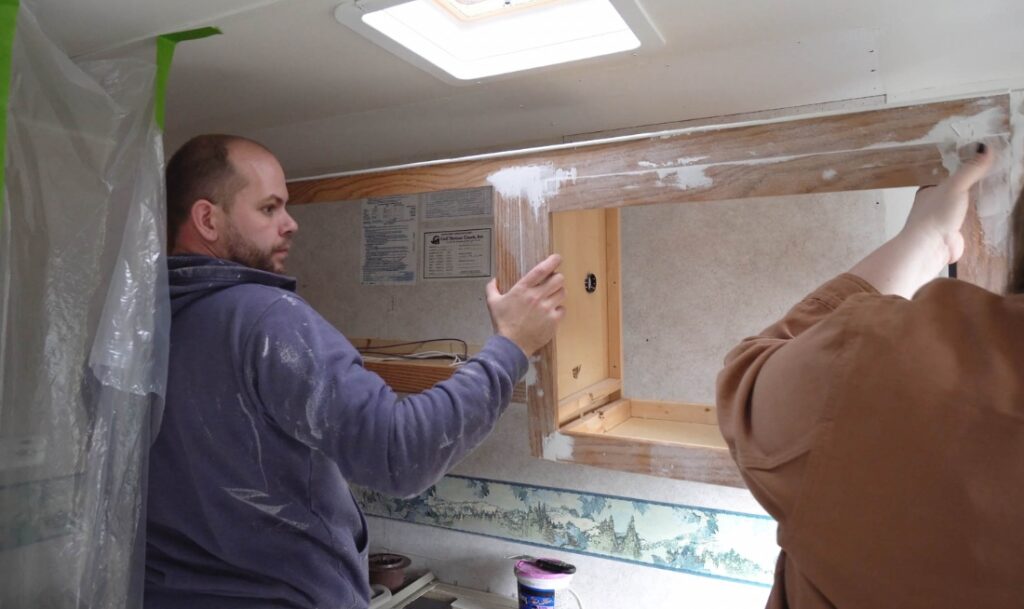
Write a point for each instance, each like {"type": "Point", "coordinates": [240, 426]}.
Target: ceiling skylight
{"type": "Point", "coordinates": [468, 10]}
{"type": "Point", "coordinates": [474, 39]}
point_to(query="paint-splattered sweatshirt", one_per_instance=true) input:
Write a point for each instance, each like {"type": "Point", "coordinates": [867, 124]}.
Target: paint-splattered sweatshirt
{"type": "Point", "coordinates": [269, 416]}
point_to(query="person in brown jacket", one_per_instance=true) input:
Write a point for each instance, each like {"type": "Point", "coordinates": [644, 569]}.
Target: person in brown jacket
{"type": "Point", "coordinates": [882, 424]}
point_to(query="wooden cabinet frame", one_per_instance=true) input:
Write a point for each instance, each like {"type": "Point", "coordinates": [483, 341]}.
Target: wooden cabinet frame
{"type": "Point", "coordinates": [594, 423]}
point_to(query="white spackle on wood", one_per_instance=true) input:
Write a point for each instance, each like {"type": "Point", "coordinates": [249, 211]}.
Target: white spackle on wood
{"type": "Point", "coordinates": [531, 372]}
{"type": "Point", "coordinates": [829, 174]}
{"type": "Point", "coordinates": [559, 447]}
{"type": "Point", "coordinates": [995, 203]}
{"type": "Point", "coordinates": [955, 132]}
{"type": "Point", "coordinates": [998, 191]}
{"type": "Point", "coordinates": [690, 160]}
{"type": "Point", "coordinates": [531, 377]}
{"type": "Point", "coordinates": [533, 183]}
{"type": "Point", "coordinates": [949, 136]}
{"type": "Point", "coordinates": [686, 160]}
{"type": "Point", "coordinates": [685, 178]}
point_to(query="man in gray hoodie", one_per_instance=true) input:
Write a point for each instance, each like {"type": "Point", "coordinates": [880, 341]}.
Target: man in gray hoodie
{"type": "Point", "coordinates": [270, 413]}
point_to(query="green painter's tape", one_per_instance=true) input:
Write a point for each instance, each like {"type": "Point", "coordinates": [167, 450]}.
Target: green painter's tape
{"type": "Point", "coordinates": [164, 54]}
{"type": "Point", "coordinates": [8, 23]}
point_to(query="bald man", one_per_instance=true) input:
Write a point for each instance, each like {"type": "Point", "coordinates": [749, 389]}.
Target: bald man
{"type": "Point", "coordinates": [270, 413]}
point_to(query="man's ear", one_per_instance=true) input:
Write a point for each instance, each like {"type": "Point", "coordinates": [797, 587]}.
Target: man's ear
{"type": "Point", "coordinates": [204, 216]}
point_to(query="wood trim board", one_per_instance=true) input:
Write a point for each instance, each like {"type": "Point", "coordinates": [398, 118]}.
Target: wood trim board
{"type": "Point", "coordinates": [873, 149]}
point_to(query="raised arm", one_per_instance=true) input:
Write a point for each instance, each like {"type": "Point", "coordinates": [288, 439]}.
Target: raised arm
{"type": "Point", "coordinates": [774, 385]}
{"type": "Point", "coordinates": [931, 238]}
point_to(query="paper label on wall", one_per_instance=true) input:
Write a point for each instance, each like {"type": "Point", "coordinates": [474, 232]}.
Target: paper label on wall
{"type": "Point", "coordinates": [390, 226]}
{"type": "Point", "coordinates": [450, 204]}
{"type": "Point", "coordinates": [457, 228]}
{"type": "Point", "coordinates": [454, 228]}
{"type": "Point", "coordinates": [457, 254]}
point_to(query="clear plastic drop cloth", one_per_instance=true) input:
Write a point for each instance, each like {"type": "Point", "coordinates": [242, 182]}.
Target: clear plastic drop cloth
{"type": "Point", "coordinates": [84, 320]}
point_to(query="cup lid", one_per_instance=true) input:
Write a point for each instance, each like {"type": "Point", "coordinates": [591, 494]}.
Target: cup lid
{"type": "Point", "coordinates": [544, 568]}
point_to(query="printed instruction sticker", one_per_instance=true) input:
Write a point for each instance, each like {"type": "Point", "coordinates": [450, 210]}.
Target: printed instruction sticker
{"type": "Point", "coordinates": [449, 204]}
{"type": "Point", "coordinates": [456, 228]}
{"type": "Point", "coordinates": [457, 254]}
{"type": "Point", "coordinates": [389, 240]}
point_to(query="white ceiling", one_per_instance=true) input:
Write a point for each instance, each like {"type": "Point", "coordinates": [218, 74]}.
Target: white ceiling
{"type": "Point", "coordinates": [326, 100]}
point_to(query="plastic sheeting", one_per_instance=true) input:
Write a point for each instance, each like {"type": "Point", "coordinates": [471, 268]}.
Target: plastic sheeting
{"type": "Point", "coordinates": [85, 318]}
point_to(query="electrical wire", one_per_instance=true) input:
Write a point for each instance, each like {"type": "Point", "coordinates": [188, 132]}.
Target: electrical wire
{"type": "Point", "coordinates": [380, 351]}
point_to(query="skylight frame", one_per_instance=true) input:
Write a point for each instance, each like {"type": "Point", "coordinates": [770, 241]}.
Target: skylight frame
{"type": "Point", "coordinates": [351, 15]}
{"type": "Point", "coordinates": [450, 6]}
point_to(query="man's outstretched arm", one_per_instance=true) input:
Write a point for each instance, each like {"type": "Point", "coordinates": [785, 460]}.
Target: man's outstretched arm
{"type": "Point", "coordinates": [320, 393]}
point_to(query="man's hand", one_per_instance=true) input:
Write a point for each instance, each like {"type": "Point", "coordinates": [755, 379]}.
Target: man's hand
{"type": "Point", "coordinates": [529, 312]}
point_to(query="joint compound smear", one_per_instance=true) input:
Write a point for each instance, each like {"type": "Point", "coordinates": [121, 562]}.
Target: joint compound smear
{"type": "Point", "coordinates": [559, 447]}
{"type": "Point", "coordinates": [994, 194]}
{"type": "Point", "coordinates": [533, 183]}
{"type": "Point", "coordinates": [685, 178]}
{"type": "Point", "coordinates": [998, 192]}
{"type": "Point", "coordinates": [955, 132]}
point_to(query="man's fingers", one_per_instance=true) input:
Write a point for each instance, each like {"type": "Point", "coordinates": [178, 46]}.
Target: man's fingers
{"type": "Point", "coordinates": [556, 298]}
{"type": "Point", "coordinates": [492, 289]}
{"type": "Point", "coordinates": [540, 273]}
{"type": "Point", "coordinates": [553, 283]}
{"type": "Point", "coordinates": [972, 170]}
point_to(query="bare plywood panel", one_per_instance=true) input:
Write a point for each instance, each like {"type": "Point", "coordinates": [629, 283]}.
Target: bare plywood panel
{"type": "Point", "coordinates": [673, 411]}
{"type": "Point", "coordinates": [582, 339]}
{"type": "Point", "coordinates": [671, 460]}
{"type": "Point", "coordinates": [613, 259]}
{"type": "Point", "coordinates": [603, 420]}
{"type": "Point", "coordinates": [649, 430]}
{"type": "Point", "coordinates": [585, 400]}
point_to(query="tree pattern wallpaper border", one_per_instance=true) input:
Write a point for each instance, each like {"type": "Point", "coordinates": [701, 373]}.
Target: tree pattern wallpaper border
{"type": "Point", "coordinates": [713, 543]}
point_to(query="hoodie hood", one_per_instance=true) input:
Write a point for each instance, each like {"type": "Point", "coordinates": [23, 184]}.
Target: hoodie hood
{"type": "Point", "coordinates": [194, 277]}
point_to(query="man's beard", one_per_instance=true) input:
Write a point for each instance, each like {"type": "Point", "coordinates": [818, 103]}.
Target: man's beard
{"type": "Point", "coordinates": [243, 252]}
